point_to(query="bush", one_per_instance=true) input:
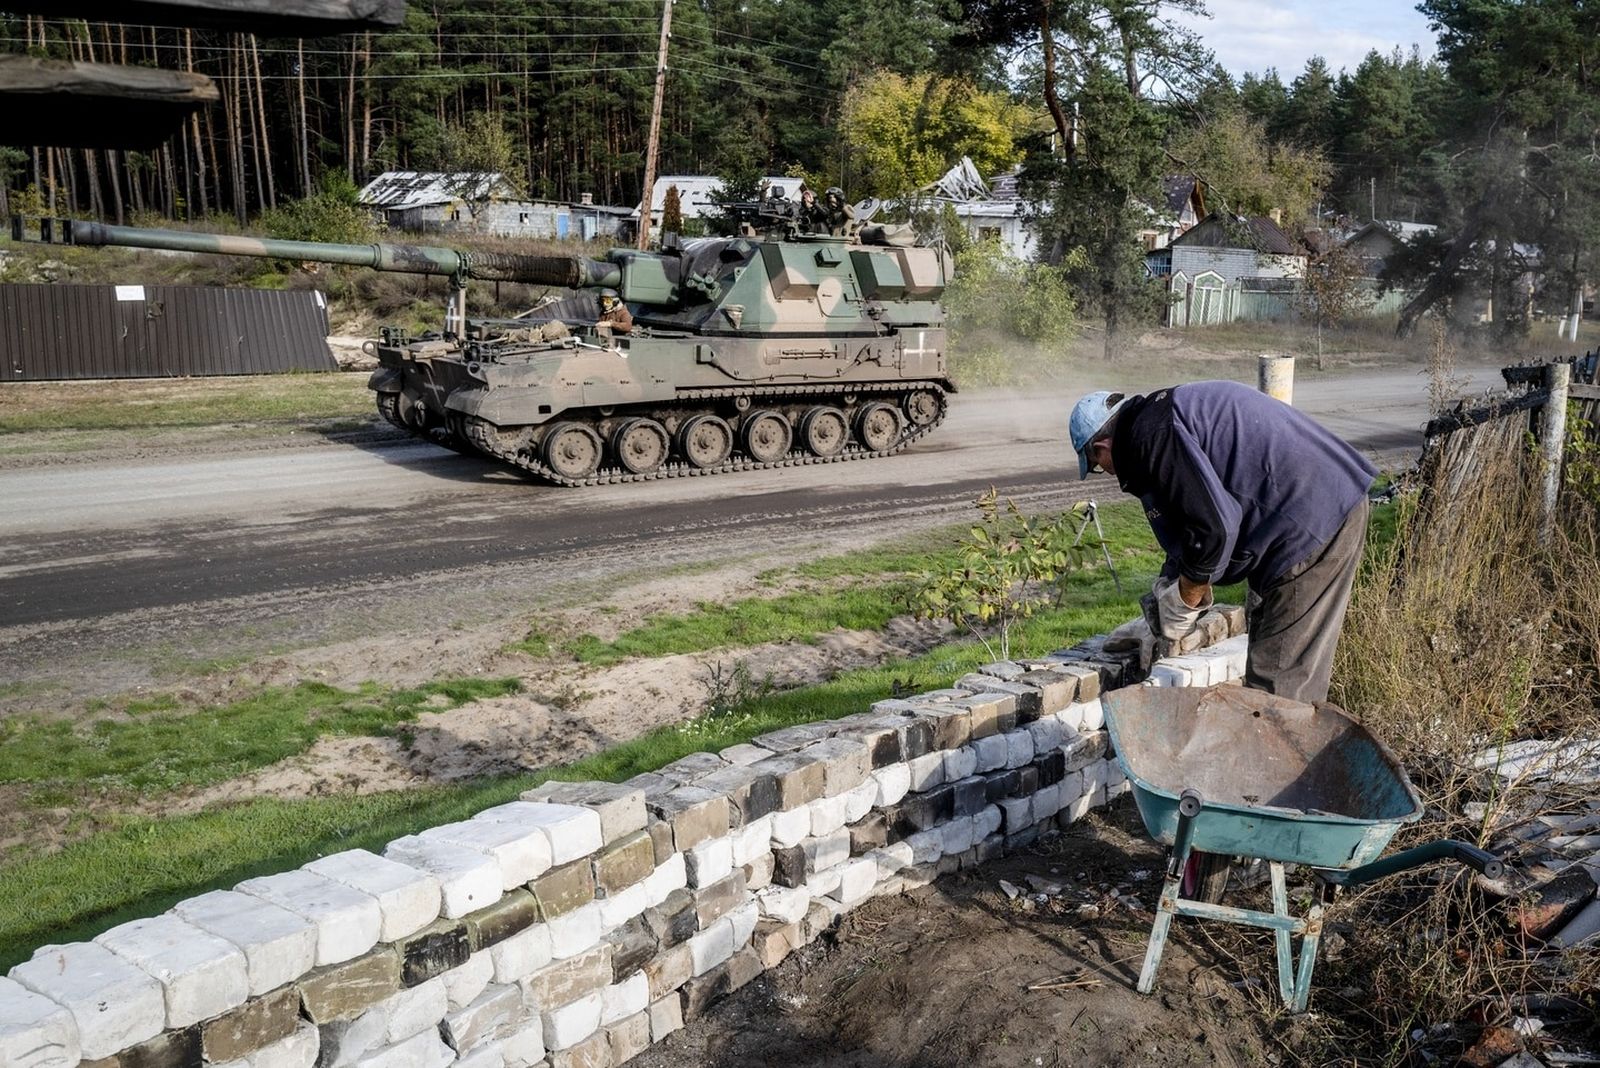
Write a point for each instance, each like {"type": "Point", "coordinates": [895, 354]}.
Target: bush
{"type": "Point", "coordinates": [1009, 320]}
{"type": "Point", "coordinates": [331, 215]}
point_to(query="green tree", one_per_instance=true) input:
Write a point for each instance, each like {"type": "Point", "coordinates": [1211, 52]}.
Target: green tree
{"type": "Point", "coordinates": [1311, 116]}
{"type": "Point", "coordinates": [1248, 173]}
{"type": "Point", "coordinates": [905, 131]}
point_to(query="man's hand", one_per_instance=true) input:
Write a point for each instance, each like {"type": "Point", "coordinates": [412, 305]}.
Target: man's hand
{"type": "Point", "coordinates": [1178, 617]}
{"type": "Point", "coordinates": [1195, 594]}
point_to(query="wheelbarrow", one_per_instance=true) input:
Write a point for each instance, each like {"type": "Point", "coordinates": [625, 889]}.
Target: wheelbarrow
{"type": "Point", "coordinates": [1243, 773]}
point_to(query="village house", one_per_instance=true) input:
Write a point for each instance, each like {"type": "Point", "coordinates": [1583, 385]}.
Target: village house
{"type": "Point", "coordinates": [1229, 267]}
{"type": "Point", "coordinates": [1183, 206]}
{"type": "Point", "coordinates": [486, 203]}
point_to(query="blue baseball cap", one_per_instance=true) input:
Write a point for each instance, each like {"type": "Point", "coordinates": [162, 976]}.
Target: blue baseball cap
{"type": "Point", "coordinates": [1088, 416]}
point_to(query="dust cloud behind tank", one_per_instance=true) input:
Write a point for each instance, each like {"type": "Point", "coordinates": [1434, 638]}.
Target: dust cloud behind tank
{"type": "Point", "coordinates": [746, 352]}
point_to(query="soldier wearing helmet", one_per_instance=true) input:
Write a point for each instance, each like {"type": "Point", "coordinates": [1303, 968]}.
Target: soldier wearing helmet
{"type": "Point", "coordinates": [836, 216]}
{"type": "Point", "coordinates": [614, 313]}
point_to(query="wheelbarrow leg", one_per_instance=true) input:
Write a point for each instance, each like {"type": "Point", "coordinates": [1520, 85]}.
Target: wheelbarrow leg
{"type": "Point", "coordinates": [1280, 935]}
{"type": "Point", "coordinates": [1308, 959]}
{"type": "Point", "coordinates": [1188, 808]}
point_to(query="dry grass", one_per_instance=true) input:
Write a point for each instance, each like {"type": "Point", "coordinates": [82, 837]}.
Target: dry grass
{"type": "Point", "coordinates": [1465, 632]}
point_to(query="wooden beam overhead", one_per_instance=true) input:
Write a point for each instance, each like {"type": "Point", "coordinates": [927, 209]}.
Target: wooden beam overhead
{"type": "Point", "coordinates": [95, 105]}
{"type": "Point", "coordinates": [280, 18]}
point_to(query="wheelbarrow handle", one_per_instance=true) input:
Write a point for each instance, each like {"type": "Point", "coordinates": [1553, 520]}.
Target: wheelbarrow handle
{"type": "Point", "coordinates": [1445, 849]}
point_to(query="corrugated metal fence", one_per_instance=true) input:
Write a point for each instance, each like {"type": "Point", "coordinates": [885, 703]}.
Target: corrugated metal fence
{"type": "Point", "coordinates": [61, 330]}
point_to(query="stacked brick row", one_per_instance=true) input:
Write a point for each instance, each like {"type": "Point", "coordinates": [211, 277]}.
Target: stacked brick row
{"type": "Point", "coordinates": [586, 921]}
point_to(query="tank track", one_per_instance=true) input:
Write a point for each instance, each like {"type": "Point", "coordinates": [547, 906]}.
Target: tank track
{"type": "Point", "coordinates": [485, 438]}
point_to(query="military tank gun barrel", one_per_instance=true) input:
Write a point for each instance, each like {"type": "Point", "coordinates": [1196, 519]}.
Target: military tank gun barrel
{"type": "Point", "coordinates": [572, 271]}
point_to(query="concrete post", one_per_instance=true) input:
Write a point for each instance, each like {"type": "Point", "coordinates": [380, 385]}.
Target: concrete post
{"type": "Point", "coordinates": [1552, 439]}
{"type": "Point", "coordinates": [1275, 376]}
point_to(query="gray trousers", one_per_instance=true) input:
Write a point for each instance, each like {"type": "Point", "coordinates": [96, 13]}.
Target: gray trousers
{"type": "Point", "coordinates": [1295, 621]}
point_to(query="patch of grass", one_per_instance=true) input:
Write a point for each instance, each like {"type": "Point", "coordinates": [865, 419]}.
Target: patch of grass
{"type": "Point", "coordinates": [163, 749]}
{"type": "Point", "coordinates": [145, 404]}
{"type": "Point", "coordinates": [857, 591]}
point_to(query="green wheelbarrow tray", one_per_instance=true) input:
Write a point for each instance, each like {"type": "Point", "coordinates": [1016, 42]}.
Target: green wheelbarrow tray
{"type": "Point", "coordinates": [1304, 784]}
{"type": "Point", "coordinates": [1243, 773]}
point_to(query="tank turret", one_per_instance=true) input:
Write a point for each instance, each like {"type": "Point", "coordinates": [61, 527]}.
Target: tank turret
{"type": "Point", "coordinates": [733, 353]}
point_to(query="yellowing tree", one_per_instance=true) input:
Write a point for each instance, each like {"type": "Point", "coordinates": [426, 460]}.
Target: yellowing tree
{"type": "Point", "coordinates": [903, 132]}
{"type": "Point", "coordinates": [1253, 174]}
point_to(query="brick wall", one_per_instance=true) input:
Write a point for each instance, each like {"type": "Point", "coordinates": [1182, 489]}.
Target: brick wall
{"type": "Point", "coordinates": [588, 920]}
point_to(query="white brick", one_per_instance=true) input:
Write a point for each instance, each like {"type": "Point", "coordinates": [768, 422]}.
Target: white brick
{"type": "Point", "coordinates": [1094, 777]}
{"type": "Point", "coordinates": [521, 851]}
{"type": "Point", "coordinates": [493, 1013]}
{"type": "Point", "coordinates": [524, 1047]}
{"type": "Point", "coordinates": [411, 1012]}
{"type": "Point", "coordinates": [744, 920]}
{"type": "Point", "coordinates": [666, 1016]}
{"type": "Point", "coordinates": [709, 861]}
{"type": "Point", "coordinates": [1018, 812]}
{"type": "Point", "coordinates": [347, 920]}
{"type": "Point", "coordinates": [893, 783]}
{"type": "Point", "coordinates": [573, 831]}
{"type": "Point", "coordinates": [298, 1050]}
{"type": "Point", "coordinates": [856, 880]}
{"type": "Point", "coordinates": [426, 1050]}
{"type": "Point", "coordinates": [959, 763]}
{"type": "Point", "coordinates": [408, 899]}
{"type": "Point", "coordinates": [712, 946]}
{"type": "Point", "coordinates": [828, 814]}
{"type": "Point", "coordinates": [1167, 673]}
{"type": "Point", "coordinates": [488, 1055]}
{"type": "Point", "coordinates": [750, 841]}
{"type": "Point", "coordinates": [926, 846]}
{"type": "Point", "coordinates": [1047, 802]}
{"type": "Point", "coordinates": [823, 883]}
{"type": "Point", "coordinates": [201, 975]}
{"type": "Point", "coordinates": [623, 906]}
{"type": "Point", "coordinates": [1094, 715]}
{"type": "Point", "coordinates": [522, 954]}
{"type": "Point", "coordinates": [790, 826]}
{"type": "Point", "coordinates": [859, 801]}
{"type": "Point", "coordinates": [758, 872]}
{"type": "Point", "coordinates": [927, 771]}
{"type": "Point", "coordinates": [1116, 790]}
{"type": "Point", "coordinates": [567, 1025]}
{"type": "Point", "coordinates": [464, 983]}
{"type": "Point", "coordinates": [956, 836]}
{"type": "Point", "coordinates": [1082, 716]}
{"type": "Point", "coordinates": [672, 874]}
{"type": "Point", "coordinates": [826, 851]}
{"type": "Point", "coordinates": [1047, 734]}
{"type": "Point", "coordinates": [992, 752]}
{"type": "Point", "coordinates": [1019, 748]}
{"type": "Point", "coordinates": [576, 932]}
{"type": "Point", "coordinates": [621, 1000]}
{"type": "Point", "coordinates": [278, 945]}
{"type": "Point", "coordinates": [1078, 808]}
{"type": "Point", "coordinates": [784, 903]}
{"type": "Point", "coordinates": [344, 1042]}
{"type": "Point", "coordinates": [891, 858]}
{"type": "Point", "coordinates": [986, 822]}
{"type": "Point", "coordinates": [113, 1003]}
{"type": "Point", "coordinates": [468, 880]}
{"type": "Point", "coordinates": [35, 1032]}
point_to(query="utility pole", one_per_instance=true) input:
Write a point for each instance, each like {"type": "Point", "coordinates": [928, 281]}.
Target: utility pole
{"type": "Point", "coordinates": [1372, 187]}
{"type": "Point", "coordinates": [655, 127]}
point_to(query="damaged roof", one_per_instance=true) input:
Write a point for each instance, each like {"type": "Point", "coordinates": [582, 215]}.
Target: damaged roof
{"type": "Point", "coordinates": [415, 189]}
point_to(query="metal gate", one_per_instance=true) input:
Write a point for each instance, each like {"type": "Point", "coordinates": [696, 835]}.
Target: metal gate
{"type": "Point", "coordinates": [56, 331]}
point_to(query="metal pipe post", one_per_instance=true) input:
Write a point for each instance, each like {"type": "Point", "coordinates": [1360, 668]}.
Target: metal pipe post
{"type": "Point", "coordinates": [1275, 376]}
{"type": "Point", "coordinates": [1552, 439]}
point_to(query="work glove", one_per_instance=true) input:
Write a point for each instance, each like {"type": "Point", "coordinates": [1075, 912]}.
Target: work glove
{"type": "Point", "coordinates": [1134, 634]}
{"type": "Point", "coordinates": [1177, 619]}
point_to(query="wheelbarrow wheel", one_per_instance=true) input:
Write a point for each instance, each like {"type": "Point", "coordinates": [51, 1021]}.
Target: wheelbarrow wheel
{"type": "Point", "coordinates": [1205, 877]}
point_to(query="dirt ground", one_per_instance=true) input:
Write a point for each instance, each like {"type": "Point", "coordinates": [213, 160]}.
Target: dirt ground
{"type": "Point", "coordinates": [960, 974]}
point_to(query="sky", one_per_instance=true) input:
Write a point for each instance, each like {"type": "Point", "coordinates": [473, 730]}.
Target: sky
{"type": "Point", "coordinates": [1252, 35]}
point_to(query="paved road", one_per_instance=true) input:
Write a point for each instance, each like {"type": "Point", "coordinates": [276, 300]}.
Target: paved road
{"type": "Point", "coordinates": [98, 551]}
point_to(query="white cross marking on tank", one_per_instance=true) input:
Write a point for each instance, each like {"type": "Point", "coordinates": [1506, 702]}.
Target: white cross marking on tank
{"type": "Point", "coordinates": [921, 349]}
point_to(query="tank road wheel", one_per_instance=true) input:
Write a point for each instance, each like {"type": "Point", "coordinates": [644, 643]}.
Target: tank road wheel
{"type": "Point", "coordinates": [767, 436]}
{"type": "Point", "coordinates": [572, 450]}
{"type": "Point", "coordinates": [640, 445]}
{"type": "Point", "coordinates": [824, 431]}
{"type": "Point", "coordinates": [705, 441]}
{"type": "Point", "coordinates": [878, 426]}
{"type": "Point", "coordinates": [923, 407]}
{"type": "Point", "coordinates": [389, 408]}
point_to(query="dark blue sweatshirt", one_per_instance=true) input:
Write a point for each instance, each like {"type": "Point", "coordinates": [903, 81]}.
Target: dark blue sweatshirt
{"type": "Point", "coordinates": [1237, 486]}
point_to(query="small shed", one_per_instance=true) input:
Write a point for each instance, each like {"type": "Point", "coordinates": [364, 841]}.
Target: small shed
{"type": "Point", "coordinates": [486, 203]}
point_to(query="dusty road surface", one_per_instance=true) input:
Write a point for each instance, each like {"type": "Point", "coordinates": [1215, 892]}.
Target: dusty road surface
{"type": "Point", "coordinates": [403, 558]}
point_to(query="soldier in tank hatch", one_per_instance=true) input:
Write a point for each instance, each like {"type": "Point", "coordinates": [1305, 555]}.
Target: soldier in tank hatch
{"type": "Point", "coordinates": [836, 216]}
{"type": "Point", "coordinates": [614, 313]}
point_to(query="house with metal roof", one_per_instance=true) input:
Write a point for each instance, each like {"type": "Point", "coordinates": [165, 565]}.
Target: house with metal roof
{"type": "Point", "coordinates": [1227, 267]}
{"type": "Point", "coordinates": [486, 202]}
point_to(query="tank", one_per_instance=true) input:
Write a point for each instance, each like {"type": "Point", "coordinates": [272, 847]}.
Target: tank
{"type": "Point", "coordinates": [745, 352]}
